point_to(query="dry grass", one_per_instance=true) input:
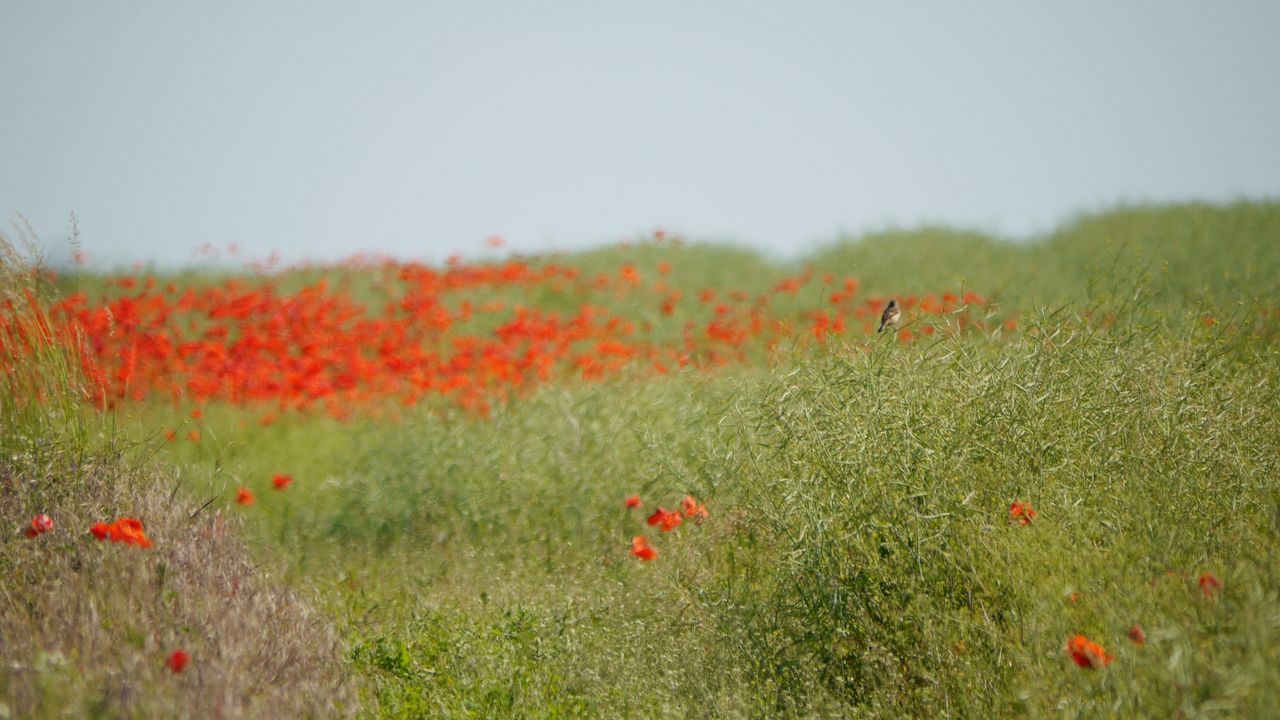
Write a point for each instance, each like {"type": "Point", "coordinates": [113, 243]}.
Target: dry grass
{"type": "Point", "coordinates": [85, 625]}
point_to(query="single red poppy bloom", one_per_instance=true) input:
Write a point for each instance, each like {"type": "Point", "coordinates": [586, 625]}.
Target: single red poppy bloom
{"type": "Point", "coordinates": [178, 661]}
{"type": "Point", "coordinates": [633, 502]}
{"type": "Point", "coordinates": [40, 525]}
{"type": "Point", "coordinates": [129, 531]}
{"type": "Point", "coordinates": [1087, 653]}
{"type": "Point", "coordinates": [693, 509]}
{"type": "Point", "coordinates": [244, 496]}
{"type": "Point", "coordinates": [1209, 584]}
{"type": "Point", "coordinates": [666, 519]}
{"type": "Point", "coordinates": [281, 481]}
{"type": "Point", "coordinates": [125, 530]}
{"type": "Point", "coordinates": [641, 548]}
{"type": "Point", "coordinates": [1137, 636]}
{"type": "Point", "coordinates": [1022, 513]}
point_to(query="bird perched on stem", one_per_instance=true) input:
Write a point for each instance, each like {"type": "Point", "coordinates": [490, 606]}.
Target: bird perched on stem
{"type": "Point", "coordinates": [890, 316]}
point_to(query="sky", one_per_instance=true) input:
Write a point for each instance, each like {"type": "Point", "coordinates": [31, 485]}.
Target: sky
{"type": "Point", "coordinates": [419, 129]}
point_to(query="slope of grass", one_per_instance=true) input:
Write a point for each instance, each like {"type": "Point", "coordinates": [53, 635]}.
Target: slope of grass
{"type": "Point", "coordinates": [1194, 255]}
{"type": "Point", "coordinates": [85, 625]}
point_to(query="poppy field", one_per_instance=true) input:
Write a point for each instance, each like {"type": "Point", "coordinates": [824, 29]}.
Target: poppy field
{"type": "Point", "coordinates": [663, 478]}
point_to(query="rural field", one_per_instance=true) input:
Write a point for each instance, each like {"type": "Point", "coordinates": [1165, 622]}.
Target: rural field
{"type": "Point", "coordinates": [665, 478]}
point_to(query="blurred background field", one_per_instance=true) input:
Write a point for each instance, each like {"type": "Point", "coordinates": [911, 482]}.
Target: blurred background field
{"type": "Point", "coordinates": [467, 546]}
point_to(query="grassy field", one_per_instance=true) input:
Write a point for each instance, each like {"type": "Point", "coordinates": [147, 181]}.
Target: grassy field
{"type": "Point", "coordinates": [455, 543]}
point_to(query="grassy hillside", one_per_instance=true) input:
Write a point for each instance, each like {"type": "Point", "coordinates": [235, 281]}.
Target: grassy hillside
{"type": "Point", "coordinates": [459, 519]}
{"type": "Point", "coordinates": [1187, 254]}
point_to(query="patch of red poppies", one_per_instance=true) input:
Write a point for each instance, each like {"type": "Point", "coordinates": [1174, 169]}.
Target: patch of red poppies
{"type": "Point", "coordinates": [290, 342]}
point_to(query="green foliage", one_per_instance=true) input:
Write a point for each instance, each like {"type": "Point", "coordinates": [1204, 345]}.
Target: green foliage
{"type": "Point", "coordinates": [900, 583]}
{"type": "Point", "coordinates": [860, 559]}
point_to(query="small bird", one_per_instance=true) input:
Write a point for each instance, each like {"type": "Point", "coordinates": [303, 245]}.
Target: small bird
{"type": "Point", "coordinates": [890, 316]}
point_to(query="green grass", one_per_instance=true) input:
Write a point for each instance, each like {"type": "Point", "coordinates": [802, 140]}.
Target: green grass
{"type": "Point", "coordinates": [859, 559]}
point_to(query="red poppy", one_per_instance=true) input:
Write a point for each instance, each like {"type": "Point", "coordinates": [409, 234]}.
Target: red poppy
{"type": "Point", "coordinates": [177, 661]}
{"type": "Point", "coordinates": [693, 509]}
{"type": "Point", "coordinates": [280, 482]}
{"type": "Point", "coordinates": [633, 502]}
{"type": "Point", "coordinates": [1137, 636]}
{"type": "Point", "coordinates": [1209, 584]}
{"type": "Point", "coordinates": [1022, 513]}
{"type": "Point", "coordinates": [244, 496]}
{"type": "Point", "coordinates": [641, 548]}
{"type": "Point", "coordinates": [127, 531]}
{"type": "Point", "coordinates": [40, 525]}
{"type": "Point", "coordinates": [666, 519]}
{"type": "Point", "coordinates": [1087, 653]}
{"type": "Point", "coordinates": [194, 436]}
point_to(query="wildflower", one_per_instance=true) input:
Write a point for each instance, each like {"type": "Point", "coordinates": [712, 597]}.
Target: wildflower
{"type": "Point", "coordinates": [1137, 636]}
{"type": "Point", "coordinates": [177, 661]}
{"type": "Point", "coordinates": [197, 414]}
{"type": "Point", "coordinates": [1087, 653]}
{"type": "Point", "coordinates": [40, 525]}
{"type": "Point", "coordinates": [1209, 584]}
{"type": "Point", "coordinates": [244, 496]}
{"type": "Point", "coordinates": [169, 435]}
{"type": "Point", "coordinates": [125, 530]}
{"type": "Point", "coordinates": [1022, 513]}
{"type": "Point", "coordinates": [194, 436]}
{"type": "Point", "coordinates": [281, 481]}
{"type": "Point", "coordinates": [129, 531]}
{"type": "Point", "coordinates": [693, 509]}
{"type": "Point", "coordinates": [666, 519]}
{"type": "Point", "coordinates": [633, 502]}
{"type": "Point", "coordinates": [641, 548]}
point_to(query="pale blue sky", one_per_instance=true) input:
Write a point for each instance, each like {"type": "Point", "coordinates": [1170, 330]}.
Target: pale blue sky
{"type": "Point", "coordinates": [416, 128]}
